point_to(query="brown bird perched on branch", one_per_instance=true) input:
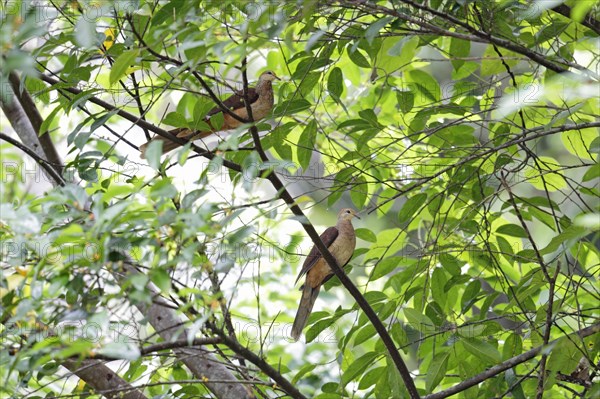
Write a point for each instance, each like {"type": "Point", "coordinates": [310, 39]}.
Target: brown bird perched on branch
{"type": "Point", "coordinates": [261, 102]}
{"type": "Point", "coordinates": [341, 241]}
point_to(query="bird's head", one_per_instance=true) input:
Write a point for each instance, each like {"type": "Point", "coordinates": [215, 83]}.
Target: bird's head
{"type": "Point", "coordinates": [268, 76]}
{"type": "Point", "coordinates": [347, 214]}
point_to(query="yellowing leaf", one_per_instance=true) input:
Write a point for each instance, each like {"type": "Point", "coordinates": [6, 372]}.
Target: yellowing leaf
{"type": "Point", "coordinates": [110, 35]}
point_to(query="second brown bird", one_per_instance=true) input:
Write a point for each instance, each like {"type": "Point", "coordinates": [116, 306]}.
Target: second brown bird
{"type": "Point", "coordinates": [261, 102]}
{"type": "Point", "coordinates": [341, 241]}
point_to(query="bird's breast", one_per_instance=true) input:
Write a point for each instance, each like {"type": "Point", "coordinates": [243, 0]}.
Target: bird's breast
{"type": "Point", "coordinates": [343, 248]}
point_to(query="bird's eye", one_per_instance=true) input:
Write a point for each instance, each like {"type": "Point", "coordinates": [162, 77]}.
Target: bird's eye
{"type": "Point", "coordinates": [347, 211]}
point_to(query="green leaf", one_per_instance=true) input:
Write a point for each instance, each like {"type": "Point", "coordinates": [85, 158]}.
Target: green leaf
{"type": "Point", "coordinates": [359, 191]}
{"type": "Point", "coordinates": [581, 142]}
{"type": "Point", "coordinates": [515, 383]}
{"type": "Point", "coordinates": [365, 234]}
{"type": "Point", "coordinates": [438, 282]}
{"type": "Point", "coordinates": [306, 144]}
{"type": "Point", "coordinates": [411, 206]}
{"type": "Point", "coordinates": [373, 30]}
{"type": "Point", "coordinates": [335, 82]}
{"type": "Point", "coordinates": [318, 328]}
{"type": "Point", "coordinates": [592, 173]}
{"type": "Point", "coordinates": [471, 295]}
{"type": "Point", "coordinates": [505, 247]}
{"type": "Point", "coordinates": [48, 121]}
{"type": "Point", "coordinates": [364, 334]}
{"type": "Point", "coordinates": [401, 53]}
{"type": "Point", "coordinates": [216, 121]}
{"type": "Point", "coordinates": [418, 320]}
{"type": "Point", "coordinates": [122, 64]}
{"type": "Point", "coordinates": [451, 264]}
{"type": "Point", "coordinates": [406, 100]}
{"type": "Point", "coordinates": [308, 82]}
{"type": "Point", "coordinates": [358, 367]}
{"type": "Point", "coordinates": [568, 235]}
{"type": "Point", "coordinates": [371, 377]}
{"type": "Point", "coordinates": [291, 107]}
{"type": "Point", "coordinates": [386, 266]}
{"type": "Point", "coordinates": [565, 356]}
{"type": "Point", "coordinates": [153, 153]}
{"type": "Point", "coordinates": [201, 108]}
{"type": "Point", "coordinates": [436, 370]}
{"type": "Point", "coordinates": [546, 175]}
{"type": "Point", "coordinates": [513, 346]}
{"type": "Point", "coordinates": [162, 279]}
{"type": "Point", "coordinates": [388, 242]}
{"type": "Point", "coordinates": [357, 58]}
{"type": "Point", "coordinates": [482, 350]}
{"type": "Point", "coordinates": [120, 350]}
{"type": "Point", "coordinates": [175, 119]}
{"type": "Point", "coordinates": [302, 372]}
{"type": "Point", "coordinates": [459, 48]}
{"type": "Point", "coordinates": [580, 10]}
{"type": "Point", "coordinates": [426, 84]}
{"type": "Point", "coordinates": [491, 63]}
{"type": "Point", "coordinates": [512, 230]}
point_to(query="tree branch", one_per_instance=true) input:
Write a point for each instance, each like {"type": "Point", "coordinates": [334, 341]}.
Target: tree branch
{"type": "Point", "coordinates": [589, 21]}
{"type": "Point", "coordinates": [143, 124]}
{"type": "Point", "coordinates": [23, 127]}
{"type": "Point", "coordinates": [259, 362]}
{"type": "Point", "coordinates": [202, 82]}
{"type": "Point", "coordinates": [47, 167]}
{"type": "Point", "coordinates": [199, 360]}
{"type": "Point", "coordinates": [104, 381]}
{"type": "Point", "coordinates": [510, 363]}
{"type": "Point", "coordinates": [36, 121]}
{"type": "Point", "coordinates": [329, 258]}
{"type": "Point", "coordinates": [475, 36]}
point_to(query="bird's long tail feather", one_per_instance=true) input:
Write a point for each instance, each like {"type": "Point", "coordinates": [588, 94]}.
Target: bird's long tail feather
{"type": "Point", "coordinates": [309, 296]}
{"type": "Point", "coordinates": [170, 145]}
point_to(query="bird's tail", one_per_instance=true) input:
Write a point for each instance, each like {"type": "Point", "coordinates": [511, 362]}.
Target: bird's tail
{"type": "Point", "coordinates": [170, 145]}
{"type": "Point", "coordinates": [309, 296]}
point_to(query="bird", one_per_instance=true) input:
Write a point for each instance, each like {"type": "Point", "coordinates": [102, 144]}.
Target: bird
{"type": "Point", "coordinates": [261, 101]}
{"type": "Point", "coordinates": [341, 241]}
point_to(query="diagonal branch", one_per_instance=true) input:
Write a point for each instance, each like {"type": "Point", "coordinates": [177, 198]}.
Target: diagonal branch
{"type": "Point", "coordinates": [36, 120]}
{"type": "Point", "coordinates": [104, 381]}
{"type": "Point", "coordinates": [47, 167]}
{"type": "Point", "coordinates": [259, 362]}
{"type": "Point", "coordinates": [203, 364]}
{"type": "Point", "coordinates": [588, 21]}
{"type": "Point", "coordinates": [142, 123]}
{"type": "Point", "coordinates": [329, 258]}
{"type": "Point", "coordinates": [508, 364]}
{"type": "Point", "coordinates": [24, 128]}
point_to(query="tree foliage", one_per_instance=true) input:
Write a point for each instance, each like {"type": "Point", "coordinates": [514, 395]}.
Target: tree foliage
{"type": "Point", "coordinates": [466, 132]}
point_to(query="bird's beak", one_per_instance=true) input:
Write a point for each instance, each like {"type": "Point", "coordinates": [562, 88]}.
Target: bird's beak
{"type": "Point", "coordinates": [276, 77]}
{"type": "Point", "coordinates": [356, 216]}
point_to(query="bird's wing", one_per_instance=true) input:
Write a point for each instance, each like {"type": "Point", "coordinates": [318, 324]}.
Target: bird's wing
{"type": "Point", "coordinates": [328, 237]}
{"type": "Point", "coordinates": [235, 101]}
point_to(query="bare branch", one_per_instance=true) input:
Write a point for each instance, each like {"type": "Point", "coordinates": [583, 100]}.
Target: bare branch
{"type": "Point", "coordinates": [104, 381]}
{"type": "Point", "coordinates": [36, 121]}
{"type": "Point", "coordinates": [18, 119]}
